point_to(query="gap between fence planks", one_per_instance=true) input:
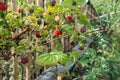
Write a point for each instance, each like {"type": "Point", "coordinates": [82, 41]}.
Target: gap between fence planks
{"type": "Point", "coordinates": [29, 56]}
{"type": "Point", "coordinates": [15, 64]}
{"type": "Point", "coordinates": [14, 58]}
{"type": "Point", "coordinates": [13, 5]}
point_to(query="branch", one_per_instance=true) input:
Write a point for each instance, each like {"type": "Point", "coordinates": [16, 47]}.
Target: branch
{"type": "Point", "coordinates": [105, 15]}
{"type": "Point", "coordinates": [97, 29]}
{"type": "Point", "coordinates": [75, 79]}
{"type": "Point", "coordinates": [1, 58]}
{"type": "Point", "coordinates": [17, 36]}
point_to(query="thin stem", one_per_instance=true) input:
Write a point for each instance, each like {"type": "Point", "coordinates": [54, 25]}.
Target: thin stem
{"type": "Point", "coordinates": [105, 15]}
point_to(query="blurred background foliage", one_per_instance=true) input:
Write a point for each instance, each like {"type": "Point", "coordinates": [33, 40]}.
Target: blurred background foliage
{"type": "Point", "coordinates": [102, 60]}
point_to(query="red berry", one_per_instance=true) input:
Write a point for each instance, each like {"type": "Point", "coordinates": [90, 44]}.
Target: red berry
{"type": "Point", "coordinates": [53, 2]}
{"type": "Point", "coordinates": [83, 29]}
{"type": "Point", "coordinates": [37, 34]}
{"type": "Point", "coordinates": [19, 10]}
{"type": "Point", "coordinates": [81, 48]}
{"type": "Point", "coordinates": [72, 43]}
{"type": "Point", "coordinates": [24, 60]}
{"type": "Point", "coordinates": [57, 32]}
{"type": "Point", "coordinates": [3, 6]}
{"type": "Point", "coordinates": [81, 74]}
{"type": "Point", "coordinates": [0, 36]}
{"type": "Point", "coordinates": [68, 17]}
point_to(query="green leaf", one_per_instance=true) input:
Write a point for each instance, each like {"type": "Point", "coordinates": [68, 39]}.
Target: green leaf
{"type": "Point", "coordinates": [25, 5]}
{"type": "Point", "coordinates": [63, 58]}
{"type": "Point", "coordinates": [2, 15]}
{"type": "Point", "coordinates": [2, 30]}
{"type": "Point", "coordinates": [81, 2]}
{"type": "Point", "coordinates": [43, 33]}
{"type": "Point", "coordinates": [84, 20]}
{"type": "Point", "coordinates": [33, 48]}
{"type": "Point", "coordinates": [73, 37]}
{"type": "Point", "coordinates": [47, 60]}
{"type": "Point", "coordinates": [55, 9]}
{"type": "Point", "coordinates": [20, 49]}
{"type": "Point", "coordinates": [1, 23]}
{"type": "Point", "coordinates": [39, 48]}
{"type": "Point", "coordinates": [84, 62]}
{"type": "Point", "coordinates": [52, 58]}
{"type": "Point", "coordinates": [12, 43]}
{"type": "Point", "coordinates": [58, 45]}
{"type": "Point", "coordinates": [23, 42]}
{"type": "Point", "coordinates": [75, 54]}
{"type": "Point", "coordinates": [39, 10]}
{"type": "Point", "coordinates": [67, 28]}
{"type": "Point", "coordinates": [3, 42]}
{"type": "Point", "coordinates": [68, 3]}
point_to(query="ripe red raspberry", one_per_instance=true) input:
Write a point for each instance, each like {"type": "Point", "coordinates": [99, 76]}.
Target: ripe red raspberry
{"type": "Point", "coordinates": [68, 17]}
{"type": "Point", "coordinates": [37, 34]}
{"type": "Point", "coordinates": [0, 36]}
{"type": "Point", "coordinates": [3, 6]}
{"type": "Point", "coordinates": [24, 60]}
{"type": "Point", "coordinates": [57, 32]}
{"type": "Point", "coordinates": [81, 73]}
{"type": "Point", "coordinates": [81, 48]}
{"type": "Point", "coordinates": [72, 43]}
{"type": "Point", "coordinates": [19, 10]}
{"type": "Point", "coordinates": [83, 29]}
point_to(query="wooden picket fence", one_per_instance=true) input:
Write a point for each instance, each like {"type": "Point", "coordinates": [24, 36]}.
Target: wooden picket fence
{"type": "Point", "coordinates": [30, 73]}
